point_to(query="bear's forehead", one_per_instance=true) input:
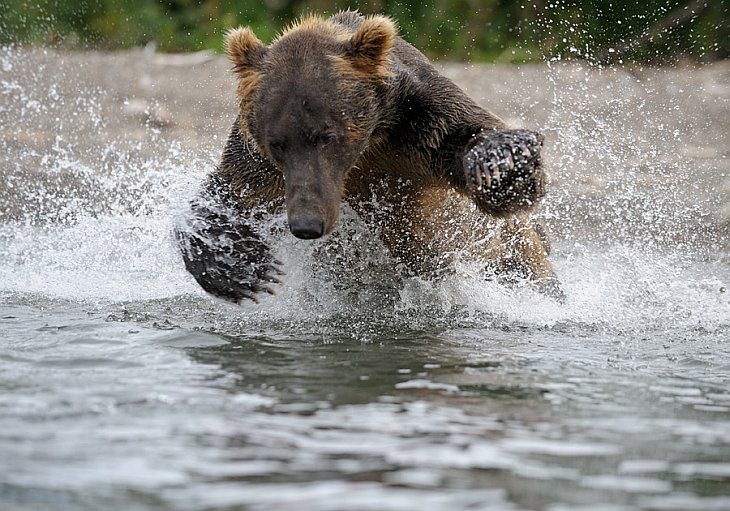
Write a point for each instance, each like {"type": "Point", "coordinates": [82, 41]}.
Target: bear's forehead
{"type": "Point", "coordinates": [300, 70]}
{"type": "Point", "coordinates": [309, 86]}
{"type": "Point", "coordinates": [303, 47]}
{"type": "Point", "coordinates": [305, 108]}
{"type": "Point", "coordinates": [302, 101]}
{"type": "Point", "coordinates": [315, 30]}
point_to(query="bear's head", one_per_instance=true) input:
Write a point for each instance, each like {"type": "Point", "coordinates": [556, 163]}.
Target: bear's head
{"type": "Point", "coordinates": [311, 101]}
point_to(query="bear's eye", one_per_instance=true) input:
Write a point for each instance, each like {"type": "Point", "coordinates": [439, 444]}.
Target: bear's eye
{"type": "Point", "coordinates": [277, 148]}
{"type": "Point", "coordinates": [326, 138]}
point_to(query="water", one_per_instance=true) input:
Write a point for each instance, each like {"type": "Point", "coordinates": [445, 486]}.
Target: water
{"type": "Point", "coordinates": [123, 386]}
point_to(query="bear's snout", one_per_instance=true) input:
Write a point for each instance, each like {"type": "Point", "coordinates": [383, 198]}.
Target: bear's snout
{"type": "Point", "coordinates": [307, 228]}
{"type": "Point", "coordinates": [312, 201]}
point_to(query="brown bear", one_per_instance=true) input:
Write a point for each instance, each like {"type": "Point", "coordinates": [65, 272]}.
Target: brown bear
{"type": "Point", "coordinates": [342, 109]}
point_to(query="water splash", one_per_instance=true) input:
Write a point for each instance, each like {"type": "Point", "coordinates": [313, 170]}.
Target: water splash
{"type": "Point", "coordinates": [634, 250]}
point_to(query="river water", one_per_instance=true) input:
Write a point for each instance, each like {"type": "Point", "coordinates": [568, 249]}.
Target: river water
{"type": "Point", "coordinates": [123, 386]}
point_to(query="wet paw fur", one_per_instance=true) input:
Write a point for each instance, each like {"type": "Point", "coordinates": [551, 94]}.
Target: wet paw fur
{"type": "Point", "coordinates": [226, 256]}
{"type": "Point", "coordinates": [503, 170]}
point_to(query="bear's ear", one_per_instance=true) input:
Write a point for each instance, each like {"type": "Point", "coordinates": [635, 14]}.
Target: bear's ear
{"type": "Point", "coordinates": [368, 48]}
{"type": "Point", "coordinates": [244, 49]}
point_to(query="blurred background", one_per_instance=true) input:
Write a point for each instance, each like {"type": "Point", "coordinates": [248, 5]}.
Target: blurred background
{"type": "Point", "coordinates": [602, 31]}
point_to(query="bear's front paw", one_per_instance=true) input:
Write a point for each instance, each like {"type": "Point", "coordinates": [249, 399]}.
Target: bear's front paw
{"type": "Point", "coordinates": [230, 266]}
{"type": "Point", "coordinates": [244, 281]}
{"type": "Point", "coordinates": [223, 251]}
{"type": "Point", "coordinates": [503, 169]}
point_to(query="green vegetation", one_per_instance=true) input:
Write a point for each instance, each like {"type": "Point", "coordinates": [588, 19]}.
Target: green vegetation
{"type": "Point", "coordinates": [480, 30]}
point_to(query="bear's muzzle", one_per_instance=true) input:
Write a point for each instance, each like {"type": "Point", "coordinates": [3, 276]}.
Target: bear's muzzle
{"type": "Point", "coordinates": [307, 228]}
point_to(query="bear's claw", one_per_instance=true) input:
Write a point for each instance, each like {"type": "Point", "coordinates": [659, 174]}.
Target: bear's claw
{"type": "Point", "coordinates": [249, 290]}
{"type": "Point", "coordinates": [499, 152]}
{"type": "Point", "coordinates": [236, 280]}
{"type": "Point", "coordinates": [501, 168]}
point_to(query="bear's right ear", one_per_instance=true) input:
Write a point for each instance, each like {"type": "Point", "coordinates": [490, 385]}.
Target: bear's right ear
{"type": "Point", "coordinates": [244, 49]}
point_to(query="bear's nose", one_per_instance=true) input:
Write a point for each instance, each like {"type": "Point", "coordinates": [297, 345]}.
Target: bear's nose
{"type": "Point", "coordinates": [307, 228]}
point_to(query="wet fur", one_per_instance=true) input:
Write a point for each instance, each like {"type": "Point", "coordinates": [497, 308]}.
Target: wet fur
{"type": "Point", "coordinates": [407, 128]}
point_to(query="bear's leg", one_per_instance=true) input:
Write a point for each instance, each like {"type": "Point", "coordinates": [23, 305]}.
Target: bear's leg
{"type": "Point", "coordinates": [503, 170]}
{"type": "Point", "coordinates": [420, 226]}
{"type": "Point", "coordinates": [526, 256]}
{"type": "Point", "coordinates": [222, 250]}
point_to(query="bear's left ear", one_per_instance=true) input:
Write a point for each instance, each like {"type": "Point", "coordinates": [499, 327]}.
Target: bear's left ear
{"type": "Point", "coordinates": [244, 49]}
{"type": "Point", "coordinates": [368, 48]}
